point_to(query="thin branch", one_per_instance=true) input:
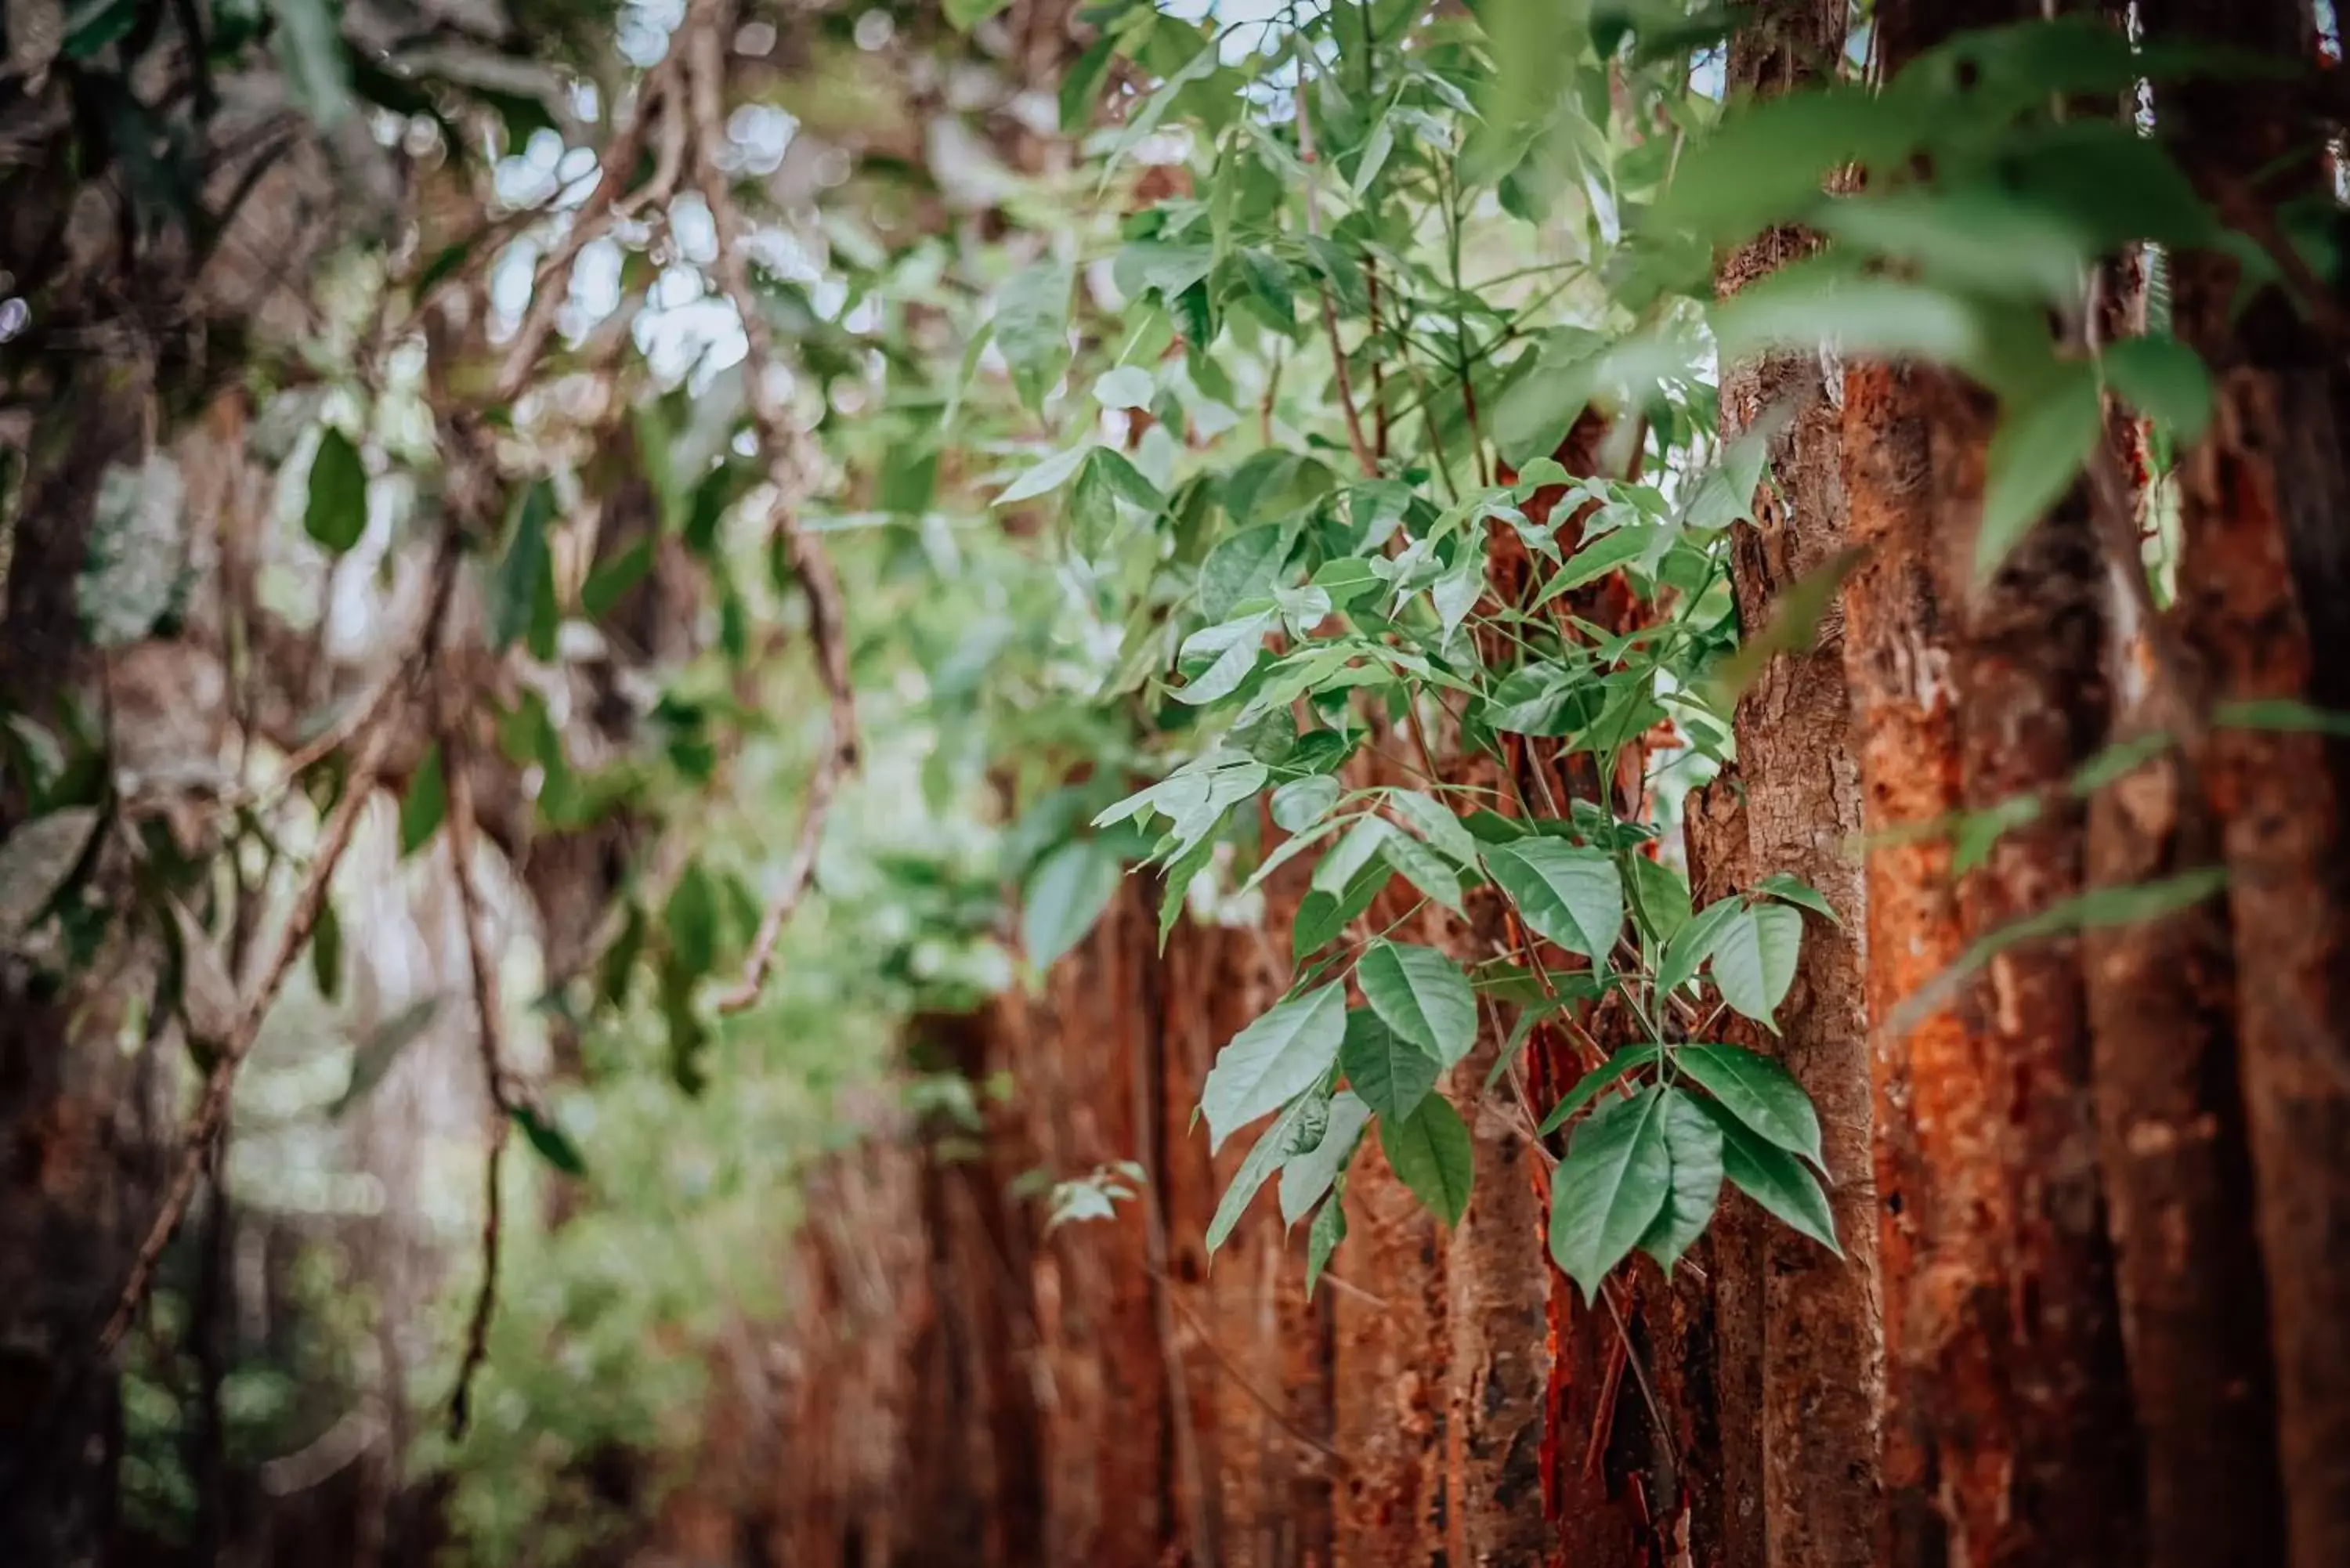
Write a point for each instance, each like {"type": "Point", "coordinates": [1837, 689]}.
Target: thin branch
{"type": "Point", "coordinates": [211, 1112]}
{"type": "Point", "coordinates": [489, 1034]}
{"type": "Point", "coordinates": [703, 41]}
{"type": "Point", "coordinates": [1345, 383]}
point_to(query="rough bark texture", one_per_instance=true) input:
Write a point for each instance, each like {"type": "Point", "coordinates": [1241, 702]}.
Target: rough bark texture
{"type": "Point", "coordinates": [2178, 1173]}
{"type": "Point", "coordinates": [1896, 665]}
{"type": "Point", "coordinates": [1822, 1373]}
{"type": "Point", "coordinates": [2261, 502]}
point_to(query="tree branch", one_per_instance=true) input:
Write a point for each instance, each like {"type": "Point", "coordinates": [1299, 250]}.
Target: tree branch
{"type": "Point", "coordinates": [212, 1111]}
{"type": "Point", "coordinates": [703, 41]}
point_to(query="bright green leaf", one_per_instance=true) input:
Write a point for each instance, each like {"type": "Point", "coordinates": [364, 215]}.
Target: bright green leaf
{"type": "Point", "coordinates": [2036, 453]}
{"type": "Point", "coordinates": [1279, 1055]}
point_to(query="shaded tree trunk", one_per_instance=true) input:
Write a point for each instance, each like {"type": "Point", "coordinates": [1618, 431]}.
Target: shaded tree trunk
{"type": "Point", "coordinates": [2261, 500]}
{"type": "Point", "coordinates": [1821, 1367]}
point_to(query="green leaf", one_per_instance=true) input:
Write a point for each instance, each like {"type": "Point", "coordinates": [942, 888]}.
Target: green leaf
{"type": "Point", "coordinates": [2036, 454]}
{"type": "Point", "coordinates": [1609, 553]}
{"type": "Point", "coordinates": [613, 578]}
{"type": "Point", "coordinates": [1263, 1160]}
{"type": "Point", "coordinates": [1759, 1092]}
{"type": "Point", "coordinates": [1773, 1178]}
{"type": "Point", "coordinates": [1764, 161]}
{"type": "Point", "coordinates": [1329, 1229]}
{"type": "Point", "coordinates": [375, 1055]}
{"type": "Point", "coordinates": [1430, 1154]}
{"type": "Point", "coordinates": [1571, 895]}
{"type": "Point", "coordinates": [689, 920]}
{"type": "Point", "coordinates": [1032, 330]}
{"type": "Point", "coordinates": [1610, 1189]}
{"type": "Point", "coordinates": [1694, 1143]}
{"type": "Point", "coordinates": [2164, 379]}
{"type": "Point", "coordinates": [1242, 565]}
{"type": "Point", "coordinates": [1587, 1088]}
{"type": "Point", "coordinates": [1046, 476]}
{"type": "Point", "coordinates": [1754, 958]}
{"type": "Point", "coordinates": [1422, 995]}
{"type": "Point", "coordinates": [1436, 823]}
{"type": "Point", "coordinates": [553, 1144]}
{"type": "Point", "coordinates": [1279, 1055]}
{"type": "Point", "coordinates": [1233, 648]}
{"type": "Point", "coordinates": [1686, 952]}
{"type": "Point", "coordinates": [425, 804]}
{"type": "Point", "coordinates": [1661, 898]}
{"type": "Point", "coordinates": [1979, 239]}
{"type": "Point", "coordinates": [336, 514]}
{"type": "Point", "coordinates": [1307, 1177]}
{"type": "Point", "coordinates": [326, 953]}
{"type": "Point", "coordinates": [1081, 85]}
{"type": "Point", "coordinates": [1065, 894]}
{"type": "Point", "coordinates": [1323, 915]}
{"type": "Point", "coordinates": [1796, 891]}
{"type": "Point", "coordinates": [1425, 869]}
{"type": "Point", "coordinates": [1127, 387]}
{"type": "Point", "coordinates": [965, 14]}
{"type": "Point", "coordinates": [1799, 307]}
{"type": "Point", "coordinates": [527, 570]}
{"type": "Point", "coordinates": [1301, 803]}
{"type": "Point", "coordinates": [1390, 1074]}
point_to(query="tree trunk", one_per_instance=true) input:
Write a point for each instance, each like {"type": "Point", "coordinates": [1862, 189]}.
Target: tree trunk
{"type": "Point", "coordinates": [1821, 1346]}
{"type": "Point", "coordinates": [2261, 500]}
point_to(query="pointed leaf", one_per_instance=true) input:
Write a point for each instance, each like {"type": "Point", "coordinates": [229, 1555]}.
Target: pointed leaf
{"type": "Point", "coordinates": [1796, 891]}
{"type": "Point", "coordinates": [1435, 822]}
{"type": "Point", "coordinates": [1572, 895]}
{"type": "Point", "coordinates": [1307, 1177]}
{"type": "Point", "coordinates": [1430, 1152]}
{"type": "Point", "coordinates": [1277, 1056]}
{"type": "Point", "coordinates": [336, 515]}
{"type": "Point", "coordinates": [1389, 1073]}
{"type": "Point", "coordinates": [1773, 1178]}
{"type": "Point", "coordinates": [1759, 1092]}
{"type": "Point", "coordinates": [1694, 1142]}
{"type": "Point", "coordinates": [1329, 1229]}
{"type": "Point", "coordinates": [1422, 995]}
{"type": "Point", "coordinates": [1610, 1188]}
{"type": "Point", "coordinates": [1687, 950]}
{"type": "Point", "coordinates": [1262, 1162]}
{"type": "Point", "coordinates": [1754, 958]}
{"type": "Point", "coordinates": [1587, 1088]}
{"type": "Point", "coordinates": [2036, 454]}
{"type": "Point", "coordinates": [1065, 895]}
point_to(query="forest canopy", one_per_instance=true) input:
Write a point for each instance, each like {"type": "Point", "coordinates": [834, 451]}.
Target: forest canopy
{"type": "Point", "coordinates": [1030, 783]}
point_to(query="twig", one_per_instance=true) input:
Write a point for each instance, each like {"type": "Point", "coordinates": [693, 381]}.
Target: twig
{"type": "Point", "coordinates": [211, 1112]}
{"type": "Point", "coordinates": [703, 43]}
{"type": "Point", "coordinates": [610, 201]}
{"type": "Point", "coordinates": [490, 1034]}
{"type": "Point", "coordinates": [1362, 448]}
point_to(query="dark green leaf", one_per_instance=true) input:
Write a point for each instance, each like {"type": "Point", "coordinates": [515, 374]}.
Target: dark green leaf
{"type": "Point", "coordinates": [326, 953]}
{"type": "Point", "coordinates": [336, 514]}
{"type": "Point", "coordinates": [690, 921]}
{"type": "Point", "coordinates": [1587, 1088]}
{"type": "Point", "coordinates": [1695, 1144]}
{"type": "Point", "coordinates": [2164, 379]}
{"type": "Point", "coordinates": [1572, 895]}
{"type": "Point", "coordinates": [1388, 1071]}
{"type": "Point", "coordinates": [1759, 1092]}
{"type": "Point", "coordinates": [1796, 891]}
{"type": "Point", "coordinates": [1422, 995]}
{"type": "Point", "coordinates": [1430, 1153]}
{"type": "Point", "coordinates": [527, 570]}
{"type": "Point", "coordinates": [2036, 454]}
{"type": "Point", "coordinates": [553, 1144]}
{"type": "Point", "coordinates": [1773, 1178]}
{"type": "Point", "coordinates": [426, 803]}
{"type": "Point", "coordinates": [1322, 1240]}
{"type": "Point", "coordinates": [1611, 1188]}
{"type": "Point", "coordinates": [1661, 898]}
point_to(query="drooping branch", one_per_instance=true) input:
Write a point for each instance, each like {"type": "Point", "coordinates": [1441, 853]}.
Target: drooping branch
{"type": "Point", "coordinates": [703, 43]}
{"type": "Point", "coordinates": [211, 1113]}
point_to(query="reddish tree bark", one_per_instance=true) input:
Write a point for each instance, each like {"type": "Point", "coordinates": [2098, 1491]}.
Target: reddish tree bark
{"type": "Point", "coordinates": [1821, 1370]}
{"type": "Point", "coordinates": [2261, 500]}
